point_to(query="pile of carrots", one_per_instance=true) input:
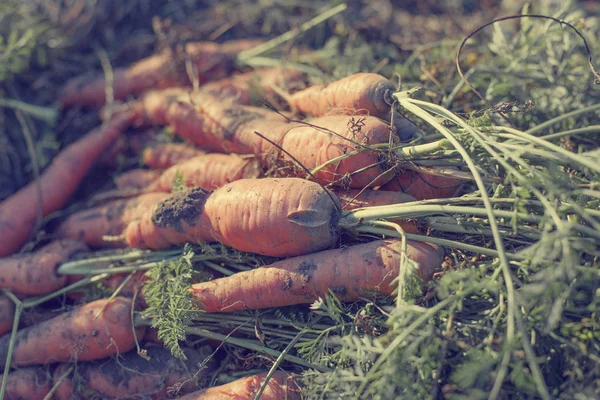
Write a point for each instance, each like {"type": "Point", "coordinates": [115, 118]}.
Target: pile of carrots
{"type": "Point", "coordinates": [237, 175]}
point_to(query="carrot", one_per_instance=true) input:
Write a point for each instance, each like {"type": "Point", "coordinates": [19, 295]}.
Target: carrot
{"type": "Point", "coordinates": [281, 386]}
{"type": "Point", "coordinates": [208, 171]}
{"type": "Point", "coordinates": [7, 314]}
{"type": "Point", "coordinates": [27, 383]}
{"type": "Point", "coordinates": [153, 105]}
{"type": "Point", "coordinates": [137, 178]}
{"type": "Point", "coordinates": [351, 273]}
{"type": "Point", "coordinates": [76, 335]}
{"type": "Point", "coordinates": [354, 198]}
{"type": "Point", "coordinates": [425, 186]}
{"type": "Point", "coordinates": [277, 217]}
{"type": "Point", "coordinates": [127, 147]}
{"type": "Point", "coordinates": [59, 181]}
{"type": "Point", "coordinates": [110, 219]}
{"type": "Point", "coordinates": [132, 376]}
{"type": "Point", "coordinates": [163, 156]}
{"type": "Point", "coordinates": [35, 273]}
{"type": "Point", "coordinates": [366, 92]}
{"type": "Point", "coordinates": [166, 69]}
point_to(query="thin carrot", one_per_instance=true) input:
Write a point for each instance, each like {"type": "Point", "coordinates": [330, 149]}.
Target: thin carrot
{"type": "Point", "coordinates": [27, 383]}
{"type": "Point", "coordinates": [423, 186]}
{"type": "Point", "coordinates": [163, 156]}
{"type": "Point", "coordinates": [350, 273]}
{"type": "Point", "coordinates": [35, 273]}
{"type": "Point", "coordinates": [367, 92]}
{"type": "Point", "coordinates": [76, 335]}
{"type": "Point", "coordinates": [59, 181]}
{"type": "Point", "coordinates": [208, 171]}
{"type": "Point", "coordinates": [130, 376]}
{"type": "Point", "coordinates": [92, 225]}
{"type": "Point", "coordinates": [277, 217]}
{"type": "Point", "coordinates": [166, 69]}
{"type": "Point", "coordinates": [281, 386]}
{"type": "Point", "coordinates": [7, 314]}
{"type": "Point", "coordinates": [138, 178]}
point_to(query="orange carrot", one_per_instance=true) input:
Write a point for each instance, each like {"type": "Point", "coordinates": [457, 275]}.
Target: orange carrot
{"type": "Point", "coordinates": [277, 217]}
{"type": "Point", "coordinates": [76, 335]}
{"type": "Point", "coordinates": [27, 383]}
{"type": "Point", "coordinates": [59, 181]}
{"type": "Point", "coordinates": [166, 69]}
{"type": "Point", "coordinates": [132, 376]}
{"type": "Point", "coordinates": [7, 314]}
{"type": "Point", "coordinates": [110, 219]}
{"type": "Point", "coordinates": [370, 93]}
{"type": "Point", "coordinates": [425, 186]}
{"type": "Point", "coordinates": [281, 386]}
{"type": "Point", "coordinates": [208, 171]}
{"type": "Point", "coordinates": [351, 273]}
{"type": "Point", "coordinates": [163, 156]}
{"type": "Point", "coordinates": [35, 273]}
{"type": "Point", "coordinates": [137, 178]}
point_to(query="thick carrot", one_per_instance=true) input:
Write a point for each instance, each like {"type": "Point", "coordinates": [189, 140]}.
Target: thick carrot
{"type": "Point", "coordinates": [7, 314]}
{"type": "Point", "coordinates": [59, 181]}
{"type": "Point", "coordinates": [35, 273]}
{"type": "Point", "coordinates": [355, 198]}
{"type": "Point", "coordinates": [281, 386]}
{"type": "Point", "coordinates": [425, 186]}
{"type": "Point", "coordinates": [208, 171]}
{"type": "Point", "coordinates": [277, 217]}
{"type": "Point", "coordinates": [351, 273]}
{"type": "Point", "coordinates": [367, 92]}
{"type": "Point", "coordinates": [132, 376]}
{"type": "Point", "coordinates": [110, 219]}
{"type": "Point", "coordinates": [138, 178]}
{"type": "Point", "coordinates": [76, 335]}
{"type": "Point", "coordinates": [163, 156]}
{"type": "Point", "coordinates": [166, 69]}
{"type": "Point", "coordinates": [27, 383]}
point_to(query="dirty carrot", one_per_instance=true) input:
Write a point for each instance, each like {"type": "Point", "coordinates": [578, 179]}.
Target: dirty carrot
{"type": "Point", "coordinates": [7, 314]}
{"type": "Point", "coordinates": [165, 155]}
{"type": "Point", "coordinates": [131, 376]}
{"type": "Point", "coordinates": [208, 171]}
{"type": "Point", "coordinates": [424, 186]}
{"type": "Point", "coordinates": [350, 273]}
{"type": "Point", "coordinates": [281, 386]}
{"type": "Point", "coordinates": [59, 181]}
{"type": "Point", "coordinates": [166, 69]}
{"type": "Point", "coordinates": [31, 383]}
{"type": "Point", "coordinates": [92, 225]}
{"type": "Point", "coordinates": [277, 217]}
{"type": "Point", "coordinates": [76, 335]}
{"type": "Point", "coordinates": [138, 178]}
{"type": "Point", "coordinates": [35, 273]}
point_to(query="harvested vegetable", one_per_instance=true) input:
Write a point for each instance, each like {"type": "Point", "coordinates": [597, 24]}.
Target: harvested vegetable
{"type": "Point", "coordinates": [425, 186]}
{"type": "Point", "coordinates": [137, 178]}
{"type": "Point", "coordinates": [35, 273]}
{"type": "Point", "coordinates": [92, 225]}
{"type": "Point", "coordinates": [59, 181]}
{"type": "Point", "coordinates": [7, 314]}
{"type": "Point", "coordinates": [27, 383]}
{"type": "Point", "coordinates": [351, 273]}
{"type": "Point", "coordinates": [131, 376]}
{"type": "Point", "coordinates": [76, 335]}
{"type": "Point", "coordinates": [163, 156]}
{"type": "Point", "coordinates": [281, 386]}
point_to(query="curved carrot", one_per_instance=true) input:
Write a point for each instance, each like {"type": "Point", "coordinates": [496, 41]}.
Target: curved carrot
{"type": "Point", "coordinates": [163, 156]}
{"type": "Point", "coordinates": [76, 335]}
{"type": "Point", "coordinates": [366, 92]}
{"type": "Point", "coordinates": [137, 178]}
{"type": "Point", "coordinates": [27, 383]}
{"type": "Point", "coordinates": [281, 386]}
{"type": "Point", "coordinates": [425, 186]}
{"type": "Point", "coordinates": [7, 314]}
{"type": "Point", "coordinates": [211, 60]}
{"type": "Point", "coordinates": [351, 273]}
{"type": "Point", "coordinates": [277, 217]}
{"type": "Point", "coordinates": [59, 181]}
{"type": "Point", "coordinates": [131, 376]}
{"type": "Point", "coordinates": [92, 225]}
{"type": "Point", "coordinates": [35, 273]}
{"type": "Point", "coordinates": [208, 171]}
